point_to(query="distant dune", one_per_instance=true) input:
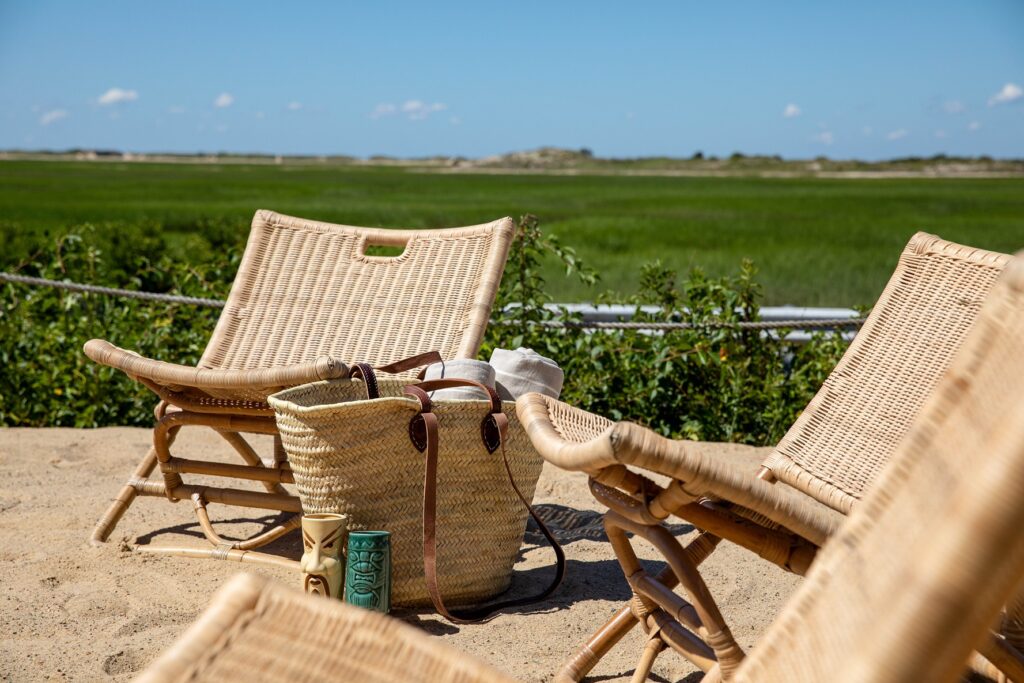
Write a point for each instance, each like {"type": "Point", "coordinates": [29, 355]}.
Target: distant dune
{"type": "Point", "coordinates": [558, 161]}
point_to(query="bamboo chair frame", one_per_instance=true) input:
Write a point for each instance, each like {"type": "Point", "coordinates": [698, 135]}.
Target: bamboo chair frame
{"type": "Point", "coordinates": [307, 299]}
{"type": "Point", "coordinates": [925, 311]}
{"type": "Point", "coordinates": [907, 587]}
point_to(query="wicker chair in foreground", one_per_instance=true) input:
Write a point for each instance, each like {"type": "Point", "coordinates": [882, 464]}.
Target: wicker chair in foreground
{"type": "Point", "coordinates": [308, 298]}
{"type": "Point", "coordinates": [823, 465]}
{"type": "Point", "coordinates": [908, 586]}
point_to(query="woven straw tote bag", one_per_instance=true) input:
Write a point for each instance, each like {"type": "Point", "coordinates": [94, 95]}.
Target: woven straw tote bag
{"type": "Point", "coordinates": [451, 480]}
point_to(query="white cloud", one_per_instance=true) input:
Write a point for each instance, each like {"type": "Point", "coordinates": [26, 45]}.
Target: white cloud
{"type": "Point", "coordinates": [791, 111]}
{"type": "Point", "coordinates": [941, 134]}
{"type": "Point", "coordinates": [115, 95]}
{"type": "Point", "coordinates": [381, 110]}
{"type": "Point", "coordinates": [897, 134]}
{"type": "Point", "coordinates": [260, 115]}
{"type": "Point", "coordinates": [52, 116]}
{"type": "Point", "coordinates": [974, 125]}
{"type": "Point", "coordinates": [294, 106]}
{"type": "Point", "coordinates": [225, 99]}
{"type": "Point", "coordinates": [415, 110]}
{"type": "Point", "coordinates": [1011, 92]}
{"type": "Point", "coordinates": [176, 109]}
{"type": "Point", "coordinates": [824, 137]}
{"type": "Point", "coordinates": [953, 107]}
{"type": "Point", "coordinates": [867, 130]}
{"type": "Point", "coordinates": [455, 121]}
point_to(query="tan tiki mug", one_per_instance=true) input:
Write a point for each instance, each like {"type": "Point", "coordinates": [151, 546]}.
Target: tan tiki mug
{"type": "Point", "coordinates": [323, 566]}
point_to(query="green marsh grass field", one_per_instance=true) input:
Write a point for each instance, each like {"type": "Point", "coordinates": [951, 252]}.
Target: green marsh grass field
{"type": "Point", "coordinates": [816, 241]}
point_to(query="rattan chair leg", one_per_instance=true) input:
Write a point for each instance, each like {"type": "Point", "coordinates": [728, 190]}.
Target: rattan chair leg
{"type": "Point", "coordinates": [650, 652]}
{"type": "Point", "coordinates": [701, 617]}
{"type": "Point", "coordinates": [681, 640]}
{"type": "Point", "coordinates": [248, 544]}
{"type": "Point", "coordinates": [101, 532]}
{"type": "Point", "coordinates": [134, 487]}
{"type": "Point", "coordinates": [608, 636]}
{"type": "Point", "coordinates": [229, 427]}
{"type": "Point", "coordinates": [250, 457]}
{"type": "Point", "coordinates": [230, 554]}
{"type": "Point", "coordinates": [599, 644]}
{"type": "Point", "coordinates": [605, 638]}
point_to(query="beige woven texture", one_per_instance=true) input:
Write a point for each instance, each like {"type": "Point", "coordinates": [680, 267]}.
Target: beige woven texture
{"type": "Point", "coordinates": [259, 632]}
{"type": "Point", "coordinates": [849, 430]}
{"type": "Point", "coordinates": [307, 299]}
{"type": "Point", "coordinates": [355, 457]}
{"type": "Point", "coordinates": [917, 575]}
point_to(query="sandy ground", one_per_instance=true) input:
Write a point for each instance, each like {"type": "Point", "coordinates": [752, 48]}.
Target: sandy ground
{"type": "Point", "coordinates": [72, 611]}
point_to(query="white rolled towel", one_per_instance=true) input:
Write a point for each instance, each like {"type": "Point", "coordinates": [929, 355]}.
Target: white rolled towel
{"type": "Point", "coordinates": [523, 371]}
{"type": "Point", "coordinates": [461, 368]}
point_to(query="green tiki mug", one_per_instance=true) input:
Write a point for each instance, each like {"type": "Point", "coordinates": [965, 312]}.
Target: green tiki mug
{"type": "Point", "coordinates": [368, 574]}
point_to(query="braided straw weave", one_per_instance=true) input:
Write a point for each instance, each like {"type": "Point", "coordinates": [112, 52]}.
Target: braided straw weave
{"type": "Point", "coordinates": [258, 631]}
{"type": "Point", "coordinates": [849, 430]}
{"type": "Point", "coordinates": [355, 457]}
{"type": "Point", "coordinates": [916, 577]}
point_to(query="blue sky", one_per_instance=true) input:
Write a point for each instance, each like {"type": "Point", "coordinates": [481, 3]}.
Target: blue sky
{"type": "Point", "coordinates": [844, 79]}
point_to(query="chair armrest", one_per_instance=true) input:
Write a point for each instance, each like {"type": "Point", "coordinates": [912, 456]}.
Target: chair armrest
{"type": "Point", "coordinates": [567, 437]}
{"type": "Point", "coordinates": [172, 375]}
{"type": "Point", "coordinates": [575, 440]}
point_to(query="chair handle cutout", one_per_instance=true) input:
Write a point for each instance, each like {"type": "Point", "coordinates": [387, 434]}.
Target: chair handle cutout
{"type": "Point", "coordinates": [384, 246]}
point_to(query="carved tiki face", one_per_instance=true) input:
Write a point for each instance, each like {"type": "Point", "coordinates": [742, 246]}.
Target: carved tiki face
{"type": "Point", "coordinates": [323, 536]}
{"type": "Point", "coordinates": [368, 580]}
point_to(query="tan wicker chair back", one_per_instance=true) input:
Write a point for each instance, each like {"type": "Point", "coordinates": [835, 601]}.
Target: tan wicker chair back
{"type": "Point", "coordinates": [307, 289]}
{"type": "Point", "coordinates": [916, 577]}
{"type": "Point", "coordinates": [850, 429]}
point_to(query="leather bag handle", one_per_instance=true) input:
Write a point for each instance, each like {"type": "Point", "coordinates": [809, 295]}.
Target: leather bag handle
{"type": "Point", "coordinates": [424, 435]}
{"type": "Point", "coordinates": [368, 374]}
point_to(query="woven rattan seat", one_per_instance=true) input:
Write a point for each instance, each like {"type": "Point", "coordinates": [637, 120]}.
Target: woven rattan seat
{"type": "Point", "coordinates": [830, 456]}
{"type": "Point", "coordinates": [903, 592]}
{"type": "Point", "coordinates": [262, 632]}
{"type": "Point", "coordinates": [308, 299]}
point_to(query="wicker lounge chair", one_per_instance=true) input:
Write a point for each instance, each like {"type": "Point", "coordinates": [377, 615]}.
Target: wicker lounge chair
{"type": "Point", "coordinates": [823, 465]}
{"type": "Point", "coordinates": [308, 298]}
{"type": "Point", "coordinates": [942, 532]}
{"type": "Point", "coordinates": [258, 631]}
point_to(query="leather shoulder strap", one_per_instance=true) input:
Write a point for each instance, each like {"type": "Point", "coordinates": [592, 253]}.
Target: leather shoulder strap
{"type": "Point", "coordinates": [424, 435]}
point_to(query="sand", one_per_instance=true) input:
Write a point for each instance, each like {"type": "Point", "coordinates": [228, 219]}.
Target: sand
{"type": "Point", "coordinates": [72, 611]}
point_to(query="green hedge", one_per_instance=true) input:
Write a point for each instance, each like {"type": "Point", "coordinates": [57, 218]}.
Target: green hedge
{"type": "Point", "coordinates": [708, 382]}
